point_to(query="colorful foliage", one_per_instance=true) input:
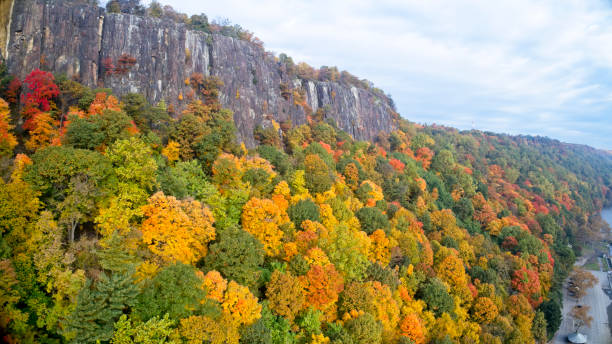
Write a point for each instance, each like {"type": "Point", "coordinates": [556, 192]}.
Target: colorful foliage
{"type": "Point", "coordinates": [426, 235]}
{"type": "Point", "coordinates": [177, 230]}
{"type": "Point", "coordinates": [322, 284]}
{"type": "Point", "coordinates": [412, 327]}
{"type": "Point", "coordinates": [262, 218]}
{"type": "Point", "coordinates": [38, 94]}
{"type": "Point", "coordinates": [8, 141]}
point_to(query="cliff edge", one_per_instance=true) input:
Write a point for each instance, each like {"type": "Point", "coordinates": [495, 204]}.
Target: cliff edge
{"type": "Point", "coordinates": [82, 41]}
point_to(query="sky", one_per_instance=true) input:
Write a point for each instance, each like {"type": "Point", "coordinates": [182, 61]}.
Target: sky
{"type": "Point", "coordinates": [538, 67]}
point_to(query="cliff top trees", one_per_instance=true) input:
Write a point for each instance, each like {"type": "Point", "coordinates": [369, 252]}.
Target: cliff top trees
{"type": "Point", "coordinates": [125, 6]}
{"type": "Point", "coordinates": [113, 6]}
{"type": "Point", "coordinates": [205, 130]}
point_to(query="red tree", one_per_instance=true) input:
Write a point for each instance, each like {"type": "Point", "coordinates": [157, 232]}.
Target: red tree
{"type": "Point", "coordinates": [13, 91]}
{"type": "Point", "coordinates": [397, 165]}
{"type": "Point", "coordinates": [39, 91]}
{"type": "Point", "coordinates": [527, 282]}
{"type": "Point", "coordinates": [510, 243]}
{"type": "Point", "coordinates": [424, 155]}
{"type": "Point", "coordinates": [108, 65]}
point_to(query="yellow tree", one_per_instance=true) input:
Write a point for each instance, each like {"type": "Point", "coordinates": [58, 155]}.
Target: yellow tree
{"type": "Point", "coordinates": [351, 174]}
{"type": "Point", "coordinates": [282, 195]}
{"type": "Point", "coordinates": [327, 215]}
{"type": "Point", "coordinates": [380, 247]}
{"type": "Point", "coordinates": [386, 309]}
{"type": "Point", "coordinates": [171, 151]}
{"type": "Point", "coordinates": [445, 221]}
{"type": "Point", "coordinates": [240, 305]}
{"type": "Point", "coordinates": [135, 169]}
{"type": "Point", "coordinates": [452, 271]}
{"type": "Point", "coordinates": [484, 310]}
{"type": "Point", "coordinates": [444, 326]}
{"type": "Point", "coordinates": [43, 133]}
{"type": "Point", "coordinates": [197, 329]}
{"type": "Point", "coordinates": [215, 285]}
{"type": "Point", "coordinates": [262, 218]}
{"type": "Point", "coordinates": [177, 230]}
{"type": "Point", "coordinates": [20, 163]}
{"type": "Point", "coordinates": [239, 308]}
{"type": "Point", "coordinates": [7, 139]}
{"type": "Point", "coordinates": [316, 256]}
{"type": "Point", "coordinates": [298, 183]}
{"type": "Point", "coordinates": [285, 294]}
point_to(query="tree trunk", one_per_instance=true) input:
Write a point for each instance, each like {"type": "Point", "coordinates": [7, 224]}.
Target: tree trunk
{"type": "Point", "coordinates": [73, 226]}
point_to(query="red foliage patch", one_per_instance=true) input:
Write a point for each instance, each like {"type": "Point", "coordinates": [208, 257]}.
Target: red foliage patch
{"type": "Point", "coordinates": [124, 63]}
{"type": "Point", "coordinates": [397, 165]}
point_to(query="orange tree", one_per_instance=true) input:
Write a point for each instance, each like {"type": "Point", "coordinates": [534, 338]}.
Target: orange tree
{"type": "Point", "coordinates": [177, 230]}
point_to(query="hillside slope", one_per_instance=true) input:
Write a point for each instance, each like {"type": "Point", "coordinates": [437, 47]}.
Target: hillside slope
{"type": "Point", "coordinates": [119, 221]}
{"type": "Point", "coordinates": [123, 222]}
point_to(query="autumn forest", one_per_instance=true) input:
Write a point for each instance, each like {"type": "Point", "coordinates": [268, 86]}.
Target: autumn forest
{"type": "Point", "coordinates": [125, 222]}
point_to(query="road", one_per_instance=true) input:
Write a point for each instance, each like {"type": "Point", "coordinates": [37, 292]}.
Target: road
{"type": "Point", "coordinates": [599, 301]}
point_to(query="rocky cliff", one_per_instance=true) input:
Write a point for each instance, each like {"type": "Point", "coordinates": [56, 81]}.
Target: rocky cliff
{"type": "Point", "coordinates": [80, 40]}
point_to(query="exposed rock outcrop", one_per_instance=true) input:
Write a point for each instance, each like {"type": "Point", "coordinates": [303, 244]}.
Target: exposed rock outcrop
{"type": "Point", "coordinates": [79, 40]}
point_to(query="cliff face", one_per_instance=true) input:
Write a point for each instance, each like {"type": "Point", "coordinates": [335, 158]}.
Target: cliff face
{"type": "Point", "coordinates": [79, 40]}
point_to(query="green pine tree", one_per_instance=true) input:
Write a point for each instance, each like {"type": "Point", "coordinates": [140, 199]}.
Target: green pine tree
{"type": "Point", "coordinates": [99, 307]}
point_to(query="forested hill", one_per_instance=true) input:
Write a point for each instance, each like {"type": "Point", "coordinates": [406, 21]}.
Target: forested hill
{"type": "Point", "coordinates": [120, 223]}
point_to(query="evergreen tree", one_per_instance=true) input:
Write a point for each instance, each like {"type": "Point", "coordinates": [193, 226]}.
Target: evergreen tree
{"type": "Point", "coordinates": [99, 307]}
{"type": "Point", "coordinates": [175, 290]}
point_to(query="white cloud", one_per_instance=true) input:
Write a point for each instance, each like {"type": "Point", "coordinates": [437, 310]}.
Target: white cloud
{"type": "Point", "coordinates": [517, 66]}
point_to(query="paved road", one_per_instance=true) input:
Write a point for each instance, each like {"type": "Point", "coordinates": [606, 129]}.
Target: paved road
{"type": "Point", "coordinates": [598, 300]}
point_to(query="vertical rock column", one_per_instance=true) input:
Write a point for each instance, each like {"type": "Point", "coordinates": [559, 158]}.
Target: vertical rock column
{"type": "Point", "coordinates": [6, 13]}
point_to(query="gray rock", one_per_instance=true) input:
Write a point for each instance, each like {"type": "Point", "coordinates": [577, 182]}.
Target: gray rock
{"type": "Point", "coordinates": [76, 39]}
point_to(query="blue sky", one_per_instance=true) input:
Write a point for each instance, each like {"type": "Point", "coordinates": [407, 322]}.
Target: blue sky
{"type": "Point", "coordinates": [514, 66]}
